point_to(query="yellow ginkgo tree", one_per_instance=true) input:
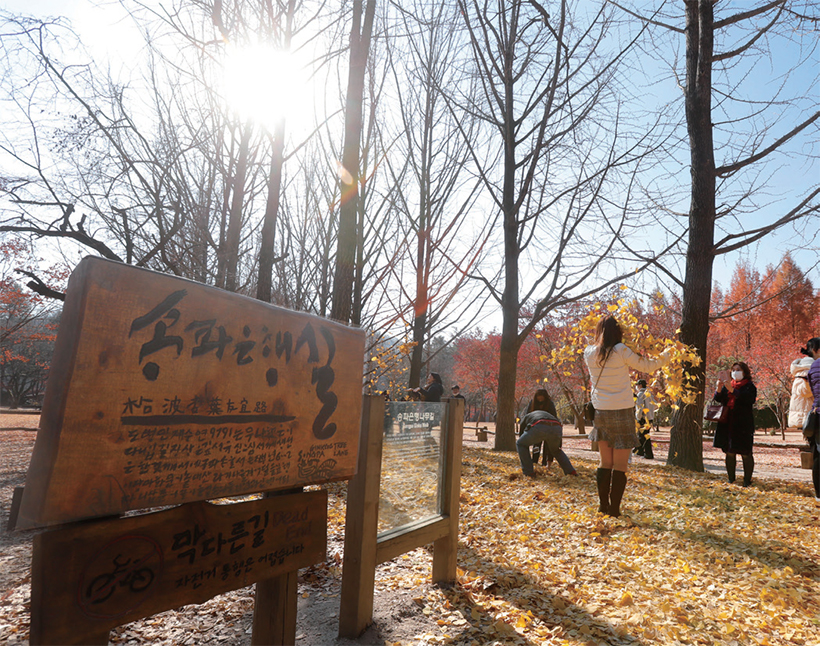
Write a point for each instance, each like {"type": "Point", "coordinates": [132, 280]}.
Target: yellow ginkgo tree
{"type": "Point", "coordinates": [673, 383]}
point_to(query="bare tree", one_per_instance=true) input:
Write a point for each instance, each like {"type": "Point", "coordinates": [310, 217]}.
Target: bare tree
{"type": "Point", "coordinates": [548, 94]}
{"type": "Point", "coordinates": [430, 168]}
{"type": "Point", "coordinates": [736, 142]}
{"type": "Point", "coordinates": [350, 172]}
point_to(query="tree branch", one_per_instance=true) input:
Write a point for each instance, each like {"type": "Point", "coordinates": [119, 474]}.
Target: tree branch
{"type": "Point", "coordinates": [39, 287]}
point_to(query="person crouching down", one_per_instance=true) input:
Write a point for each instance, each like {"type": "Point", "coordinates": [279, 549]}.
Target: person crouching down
{"type": "Point", "coordinates": [540, 426]}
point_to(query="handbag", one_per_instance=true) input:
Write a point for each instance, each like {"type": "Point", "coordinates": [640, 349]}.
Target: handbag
{"type": "Point", "coordinates": [716, 413]}
{"type": "Point", "coordinates": [811, 424]}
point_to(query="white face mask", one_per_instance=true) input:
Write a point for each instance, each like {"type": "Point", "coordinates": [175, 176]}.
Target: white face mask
{"type": "Point", "coordinates": [737, 375]}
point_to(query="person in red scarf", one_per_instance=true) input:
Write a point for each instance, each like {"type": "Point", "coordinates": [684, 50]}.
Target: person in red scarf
{"type": "Point", "coordinates": [736, 435]}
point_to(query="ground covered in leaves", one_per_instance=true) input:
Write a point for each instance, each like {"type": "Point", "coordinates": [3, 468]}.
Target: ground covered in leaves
{"type": "Point", "coordinates": [695, 561]}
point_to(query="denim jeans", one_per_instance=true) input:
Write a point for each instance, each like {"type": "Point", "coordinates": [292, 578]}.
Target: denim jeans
{"type": "Point", "coordinates": [552, 436]}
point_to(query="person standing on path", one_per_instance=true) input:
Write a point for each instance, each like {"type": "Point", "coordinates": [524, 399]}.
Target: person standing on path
{"type": "Point", "coordinates": [433, 391]}
{"type": "Point", "coordinates": [645, 414]}
{"type": "Point", "coordinates": [541, 425]}
{"type": "Point", "coordinates": [736, 435]}
{"type": "Point", "coordinates": [802, 399]}
{"type": "Point", "coordinates": [609, 361]}
{"type": "Point", "coordinates": [813, 350]}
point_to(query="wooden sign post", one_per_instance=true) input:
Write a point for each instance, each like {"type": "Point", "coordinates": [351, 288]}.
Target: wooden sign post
{"type": "Point", "coordinates": [162, 392]}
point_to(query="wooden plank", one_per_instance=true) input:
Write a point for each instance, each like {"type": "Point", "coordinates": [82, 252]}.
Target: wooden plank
{"type": "Point", "coordinates": [274, 614]}
{"type": "Point", "coordinates": [165, 391]}
{"type": "Point", "coordinates": [90, 577]}
{"type": "Point", "coordinates": [408, 537]}
{"type": "Point", "coordinates": [14, 510]}
{"type": "Point", "coordinates": [275, 606]}
{"type": "Point", "coordinates": [445, 549]}
{"type": "Point", "coordinates": [359, 569]}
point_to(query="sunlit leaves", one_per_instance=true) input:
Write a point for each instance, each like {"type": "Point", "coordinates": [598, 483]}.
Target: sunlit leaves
{"type": "Point", "coordinates": [672, 384]}
{"type": "Point", "coordinates": [695, 561]}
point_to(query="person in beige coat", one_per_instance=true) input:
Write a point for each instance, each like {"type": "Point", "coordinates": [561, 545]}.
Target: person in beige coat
{"type": "Point", "coordinates": [802, 398]}
{"type": "Point", "coordinates": [608, 361]}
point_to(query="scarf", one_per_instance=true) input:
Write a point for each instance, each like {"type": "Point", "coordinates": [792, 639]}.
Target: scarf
{"type": "Point", "coordinates": [735, 386]}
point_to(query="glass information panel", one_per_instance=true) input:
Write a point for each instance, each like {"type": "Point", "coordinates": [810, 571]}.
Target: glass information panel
{"type": "Point", "coordinates": [411, 463]}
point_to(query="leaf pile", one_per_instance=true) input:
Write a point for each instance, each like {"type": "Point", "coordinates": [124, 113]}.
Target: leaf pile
{"type": "Point", "coordinates": [696, 561]}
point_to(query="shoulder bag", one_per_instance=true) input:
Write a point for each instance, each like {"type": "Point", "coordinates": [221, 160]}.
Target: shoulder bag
{"type": "Point", "coordinates": [716, 412]}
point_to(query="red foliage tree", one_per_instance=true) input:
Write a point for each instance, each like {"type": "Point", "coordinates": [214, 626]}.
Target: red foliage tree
{"type": "Point", "coordinates": [28, 326]}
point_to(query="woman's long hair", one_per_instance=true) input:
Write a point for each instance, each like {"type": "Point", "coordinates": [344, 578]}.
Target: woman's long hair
{"type": "Point", "coordinates": [608, 334]}
{"type": "Point", "coordinates": [541, 401]}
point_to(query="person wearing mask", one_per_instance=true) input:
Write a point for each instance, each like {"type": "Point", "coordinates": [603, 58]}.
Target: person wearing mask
{"type": "Point", "coordinates": [812, 349]}
{"type": "Point", "coordinates": [645, 414]}
{"type": "Point", "coordinates": [541, 425]}
{"type": "Point", "coordinates": [736, 435]}
{"type": "Point", "coordinates": [609, 361]}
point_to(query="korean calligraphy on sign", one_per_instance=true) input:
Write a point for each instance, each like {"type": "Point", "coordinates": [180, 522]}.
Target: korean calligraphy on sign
{"type": "Point", "coordinates": [167, 391]}
{"type": "Point", "coordinates": [134, 567]}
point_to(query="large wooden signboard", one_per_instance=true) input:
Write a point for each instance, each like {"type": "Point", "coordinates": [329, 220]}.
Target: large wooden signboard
{"type": "Point", "coordinates": [91, 577]}
{"type": "Point", "coordinates": [164, 391]}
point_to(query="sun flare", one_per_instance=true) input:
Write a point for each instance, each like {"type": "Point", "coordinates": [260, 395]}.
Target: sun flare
{"type": "Point", "coordinates": [264, 83]}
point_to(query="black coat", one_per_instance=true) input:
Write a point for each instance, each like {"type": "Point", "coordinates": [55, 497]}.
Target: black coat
{"type": "Point", "coordinates": [432, 393]}
{"type": "Point", "coordinates": [737, 434]}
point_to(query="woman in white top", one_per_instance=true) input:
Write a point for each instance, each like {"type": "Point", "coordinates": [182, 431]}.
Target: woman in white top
{"type": "Point", "coordinates": [609, 361]}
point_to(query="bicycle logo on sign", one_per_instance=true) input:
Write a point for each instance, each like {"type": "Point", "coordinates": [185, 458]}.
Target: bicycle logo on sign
{"type": "Point", "coordinates": [117, 579]}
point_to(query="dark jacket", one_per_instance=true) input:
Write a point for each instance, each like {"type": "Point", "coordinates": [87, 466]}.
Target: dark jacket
{"type": "Point", "coordinates": [537, 416]}
{"type": "Point", "coordinates": [432, 393]}
{"type": "Point", "coordinates": [814, 381]}
{"type": "Point", "coordinates": [737, 434]}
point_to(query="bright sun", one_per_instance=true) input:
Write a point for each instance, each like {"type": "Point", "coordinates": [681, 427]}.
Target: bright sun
{"type": "Point", "coordinates": [265, 84]}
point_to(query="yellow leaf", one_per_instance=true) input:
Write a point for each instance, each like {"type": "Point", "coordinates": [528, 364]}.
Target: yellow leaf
{"type": "Point", "coordinates": [626, 599]}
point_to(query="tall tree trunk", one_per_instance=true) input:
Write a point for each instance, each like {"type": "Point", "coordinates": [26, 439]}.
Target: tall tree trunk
{"type": "Point", "coordinates": [349, 176]}
{"type": "Point", "coordinates": [508, 360]}
{"type": "Point", "coordinates": [264, 285]}
{"type": "Point", "coordinates": [686, 444]}
{"type": "Point", "coordinates": [420, 305]}
{"type": "Point", "coordinates": [237, 203]}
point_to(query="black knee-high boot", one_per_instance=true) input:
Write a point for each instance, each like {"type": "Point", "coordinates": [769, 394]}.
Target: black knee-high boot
{"type": "Point", "coordinates": [617, 492]}
{"type": "Point", "coordinates": [748, 469]}
{"type": "Point", "coordinates": [731, 464]}
{"type": "Point", "coordinates": [603, 477]}
{"type": "Point", "coordinates": [815, 471]}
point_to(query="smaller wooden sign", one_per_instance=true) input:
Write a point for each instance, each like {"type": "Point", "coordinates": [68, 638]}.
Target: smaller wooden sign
{"type": "Point", "coordinates": [91, 577]}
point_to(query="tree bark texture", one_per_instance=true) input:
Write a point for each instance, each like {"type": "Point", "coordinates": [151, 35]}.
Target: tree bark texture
{"type": "Point", "coordinates": [686, 443]}
{"type": "Point", "coordinates": [237, 203]}
{"type": "Point", "coordinates": [508, 363]}
{"type": "Point", "coordinates": [349, 176]}
{"type": "Point", "coordinates": [264, 285]}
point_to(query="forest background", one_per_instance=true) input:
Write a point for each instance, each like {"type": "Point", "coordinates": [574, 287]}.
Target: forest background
{"type": "Point", "coordinates": [428, 171]}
